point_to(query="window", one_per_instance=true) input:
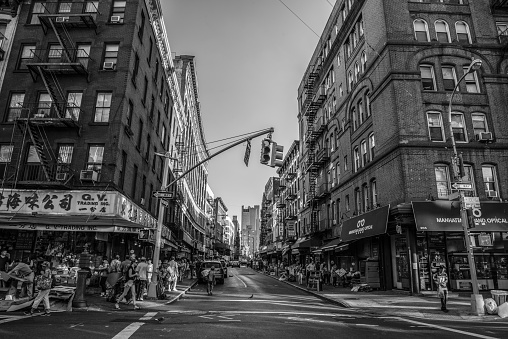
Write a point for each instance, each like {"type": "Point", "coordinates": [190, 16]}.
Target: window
{"type": "Point", "coordinates": [428, 79]}
{"type": "Point", "coordinates": [154, 160]}
{"type": "Point", "coordinates": [38, 8]}
{"type": "Point", "coordinates": [354, 34]}
{"type": "Point", "coordinates": [442, 181]}
{"type": "Point", "coordinates": [65, 152]}
{"type": "Point", "coordinates": [148, 141]}
{"type": "Point", "coordinates": [351, 81]}
{"type": "Point", "coordinates": [365, 158]}
{"type": "Point", "coordinates": [373, 193]}
{"type": "Point", "coordinates": [449, 78]}
{"type": "Point", "coordinates": [365, 195]}
{"type": "Point", "coordinates": [83, 54]}
{"type": "Point", "coordinates": [502, 28]}
{"type": "Point", "coordinates": [347, 203]}
{"type": "Point", "coordinates": [345, 163]}
{"type": "Point", "coordinates": [462, 30]}
{"type": "Point", "coordinates": [358, 201]}
{"type": "Point", "coordinates": [471, 80]}
{"type": "Point", "coordinates": [44, 105]}
{"type": "Point", "coordinates": [347, 49]}
{"type": "Point", "coordinates": [143, 189]}
{"type": "Point", "coordinates": [102, 107]}
{"type": "Point", "coordinates": [5, 159]}
{"type": "Point", "coordinates": [130, 111]}
{"type": "Point", "coordinates": [156, 74]}
{"type": "Point", "coordinates": [421, 30]}
{"type": "Point", "coordinates": [123, 169]}
{"type": "Point", "coordinates": [435, 124]}
{"type": "Point", "coordinates": [367, 106]}
{"type": "Point", "coordinates": [64, 7]}
{"type": "Point", "coordinates": [490, 180]}
{"type": "Point", "coordinates": [134, 182]}
{"type": "Point", "coordinates": [141, 27]}
{"type": "Point", "coordinates": [73, 105]}
{"type": "Point", "coordinates": [135, 70]}
{"type": "Point", "coordinates": [357, 164]}
{"type": "Point", "coordinates": [158, 122]}
{"type": "Point", "coordinates": [469, 174]}
{"type": "Point", "coordinates": [152, 108]}
{"type": "Point", "coordinates": [27, 55]}
{"type": "Point", "coordinates": [119, 9]}
{"type": "Point", "coordinates": [361, 114]}
{"type": "Point", "coordinates": [459, 127]}
{"type": "Point", "coordinates": [338, 58]}
{"type": "Point", "coordinates": [354, 117]}
{"type": "Point", "coordinates": [363, 61]}
{"type": "Point", "coordinates": [150, 51]}
{"type": "Point", "coordinates": [442, 31]}
{"type": "Point", "coordinates": [110, 55]}
{"type": "Point", "coordinates": [91, 6]}
{"type": "Point", "coordinates": [372, 146]}
{"type": "Point", "coordinates": [55, 54]}
{"type": "Point", "coordinates": [140, 132]}
{"type": "Point", "coordinates": [145, 92]}
{"type": "Point", "coordinates": [95, 157]}
{"type": "Point", "coordinates": [163, 135]}
{"type": "Point", "coordinates": [360, 27]}
{"type": "Point", "coordinates": [479, 123]}
{"type": "Point", "coordinates": [357, 71]}
{"type": "Point", "coordinates": [341, 91]}
{"type": "Point", "coordinates": [15, 105]}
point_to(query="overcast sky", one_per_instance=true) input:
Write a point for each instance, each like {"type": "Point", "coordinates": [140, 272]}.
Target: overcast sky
{"type": "Point", "coordinates": [250, 57]}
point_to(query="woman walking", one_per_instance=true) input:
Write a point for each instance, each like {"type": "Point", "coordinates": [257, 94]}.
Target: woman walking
{"type": "Point", "coordinates": [130, 277]}
{"type": "Point", "coordinates": [104, 269]}
{"type": "Point", "coordinates": [43, 283]}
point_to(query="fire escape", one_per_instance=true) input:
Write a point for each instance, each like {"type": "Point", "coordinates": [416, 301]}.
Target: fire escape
{"type": "Point", "coordinates": [63, 59]}
{"type": "Point", "coordinates": [314, 98]}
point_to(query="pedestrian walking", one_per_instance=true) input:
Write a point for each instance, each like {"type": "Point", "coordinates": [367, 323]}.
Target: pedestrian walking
{"type": "Point", "coordinates": [22, 270]}
{"type": "Point", "coordinates": [130, 278]}
{"type": "Point", "coordinates": [141, 282]}
{"type": "Point", "coordinates": [116, 265]}
{"type": "Point", "coordinates": [441, 280]}
{"type": "Point", "coordinates": [334, 274]}
{"type": "Point", "coordinates": [149, 270]}
{"type": "Point", "coordinates": [310, 268]}
{"type": "Point", "coordinates": [173, 274]}
{"type": "Point", "coordinates": [210, 280]}
{"type": "Point", "coordinates": [103, 269]}
{"type": "Point", "coordinates": [43, 282]}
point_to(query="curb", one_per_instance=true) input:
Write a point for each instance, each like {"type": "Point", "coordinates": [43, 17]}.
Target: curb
{"type": "Point", "coordinates": [182, 292]}
{"type": "Point", "coordinates": [340, 303]}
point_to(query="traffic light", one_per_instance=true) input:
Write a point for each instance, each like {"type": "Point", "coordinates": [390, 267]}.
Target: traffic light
{"type": "Point", "coordinates": [277, 156]}
{"type": "Point", "coordinates": [266, 150]}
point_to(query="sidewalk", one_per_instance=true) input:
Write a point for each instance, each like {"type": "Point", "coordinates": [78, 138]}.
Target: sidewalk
{"type": "Point", "coordinates": [98, 304]}
{"type": "Point", "coordinates": [398, 303]}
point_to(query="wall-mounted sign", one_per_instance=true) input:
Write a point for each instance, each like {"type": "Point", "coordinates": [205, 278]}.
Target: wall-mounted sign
{"type": "Point", "coordinates": [366, 225]}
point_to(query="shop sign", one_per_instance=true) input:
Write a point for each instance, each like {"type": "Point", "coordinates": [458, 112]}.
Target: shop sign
{"type": "Point", "coordinates": [438, 216]}
{"type": "Point", "coordinates": [49, 202]}
{"type": "Point", "coordinates": [187, 238]}
{"type": "Point", "coordinates": [484, 240]}
{"type": "Point", "coordinates": [290, 227]}
{"type": "Point", "coordinates": [366, 225]}
{"type": "Point", "coordinates": [74, 228]}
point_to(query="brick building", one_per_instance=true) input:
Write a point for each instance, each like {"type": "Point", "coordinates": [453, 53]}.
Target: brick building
{"type": "Point", "coordinates": [375, 140]}
{"type": "Point", "coordinates": [89, 97]}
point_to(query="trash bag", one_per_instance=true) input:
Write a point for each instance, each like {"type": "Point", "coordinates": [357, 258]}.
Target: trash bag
{"type": "Point", "coordinates": [490, 306]}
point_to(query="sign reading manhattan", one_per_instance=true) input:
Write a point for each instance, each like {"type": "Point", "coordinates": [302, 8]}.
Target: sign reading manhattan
{"type": "Point", "coordinates": [366, 225]}
{"type": "Point", "coordinates": [74, 203]}
{"type": "Point", "coordinates": [442, 216]}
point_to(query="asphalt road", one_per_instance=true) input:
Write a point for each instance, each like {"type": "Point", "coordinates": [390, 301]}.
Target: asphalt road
{"type": "Point", "coordinates": [248, 305]}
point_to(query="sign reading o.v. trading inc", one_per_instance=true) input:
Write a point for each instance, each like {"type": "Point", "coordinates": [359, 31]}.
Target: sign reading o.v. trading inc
{"type": "Point", "coordinates": [366, 225]}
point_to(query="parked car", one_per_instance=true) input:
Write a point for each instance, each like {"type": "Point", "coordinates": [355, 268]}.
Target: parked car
{"type": "Point", "coordinates": [235, 263]}
{"type": "Point", "coordinates": [225, 267]}
{"type": "Point", "coordinates": [219, 270]}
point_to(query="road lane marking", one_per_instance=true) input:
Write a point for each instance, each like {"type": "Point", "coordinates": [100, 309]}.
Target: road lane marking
{"type": "Point", "coordinates": [442, 328]}
{"type": "Point", "coordinates": [128, 331]}
{"type": "Point", "coordinates": [14, 318]}
{"type": "Point", "coordinates": [241, 281]}
{"type": "Point", "coordinates": [204, 316]}
{"type": "Point", "coordinates": [220, 316]}
{"type": "Point", "coordinates": [148, 316]}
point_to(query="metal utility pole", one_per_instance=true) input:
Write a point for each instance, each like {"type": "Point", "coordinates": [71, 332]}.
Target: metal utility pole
{"type": "Point", "coordinates": [476, 297]}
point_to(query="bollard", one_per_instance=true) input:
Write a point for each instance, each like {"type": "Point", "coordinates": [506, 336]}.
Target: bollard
{"type": "Point", "coordinates": [79, 298]}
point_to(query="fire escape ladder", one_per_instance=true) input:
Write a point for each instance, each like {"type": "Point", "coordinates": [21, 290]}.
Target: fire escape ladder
{"type": "Point", "coordinates": [54, 90]}
{"type": "Point", "coordinates": [65, 41]}
{"type": "Point", "coordinates": [41, 149]}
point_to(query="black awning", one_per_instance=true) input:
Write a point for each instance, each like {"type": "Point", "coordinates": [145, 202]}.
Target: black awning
{"type": "Point", "coordinates": [366, 225]}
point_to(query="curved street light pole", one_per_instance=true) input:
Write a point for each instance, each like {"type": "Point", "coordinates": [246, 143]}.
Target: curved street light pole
{"type": "Point", "coordinates": [475, 65]}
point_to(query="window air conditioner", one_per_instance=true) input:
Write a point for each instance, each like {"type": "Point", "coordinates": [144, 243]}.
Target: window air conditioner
{"type": "Point", "coordinates": [60, 176]}
{"type": "Point", "coordinates": [484, 136]}
{"type": "Point", "coordinates": [108, 65]}
{"type": "Point", "coordinates": [115, 19]}
{"type": "Point", "coordinates": [88, 175]}
{"type": "Point", "coordinates": [62, 19]}
{"type": "Point", "coordinates": [492, 194]}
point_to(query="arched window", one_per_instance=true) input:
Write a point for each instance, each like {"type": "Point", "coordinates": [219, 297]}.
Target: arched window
{"type": "Point", "coordinates": [421, 30]}
{"type": "Point", "coordinates": [355, 121]}
{"type": "Point", "coordinates": [351, 80]}
{"type": "Point", "coordinates": [367, 106]}
{"type": "Point", "coordinates": [363, 61]}
{"type": "Point", "coordinates": [357, 71]}
{"type": "Point", "coordinates": [462, 30]}
{"type": "Point", "coordinates": [361, 115]}
{"type": "Point", "coordinates": [442, 31]}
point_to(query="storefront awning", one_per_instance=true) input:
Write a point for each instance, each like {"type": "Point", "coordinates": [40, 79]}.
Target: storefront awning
{"type": "Point", "coordinates": [302, 243]}
{"type": "Point", "coordinates": [442, 216]}
{"type": "Point", "coordinates": [79, 223]}
{"type": "Point", "coordinates": [366, 225]}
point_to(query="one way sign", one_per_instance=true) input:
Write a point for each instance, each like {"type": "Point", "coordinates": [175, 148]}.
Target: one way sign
{"type": "Point", "coordinates": [466, 186]}
{"type": "Point", "coordinates": [162, 194]}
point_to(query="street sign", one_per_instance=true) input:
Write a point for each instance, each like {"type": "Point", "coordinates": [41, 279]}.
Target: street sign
{"type": "Point", "coordinates": [247, 154]}
{"type": "Point", "coordinates": [466, 186]}
{"type": "Point", "coordinates": [162, 194]}
{"type": "Point", "coordinates": [471, 202]}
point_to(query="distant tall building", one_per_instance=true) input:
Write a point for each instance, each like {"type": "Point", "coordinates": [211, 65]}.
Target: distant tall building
{"type": "Point", "coordinates": [250, 229]}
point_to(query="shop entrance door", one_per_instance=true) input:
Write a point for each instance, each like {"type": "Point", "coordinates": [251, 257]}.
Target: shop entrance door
{"type": "Point", "coordinates": [402, 261]}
